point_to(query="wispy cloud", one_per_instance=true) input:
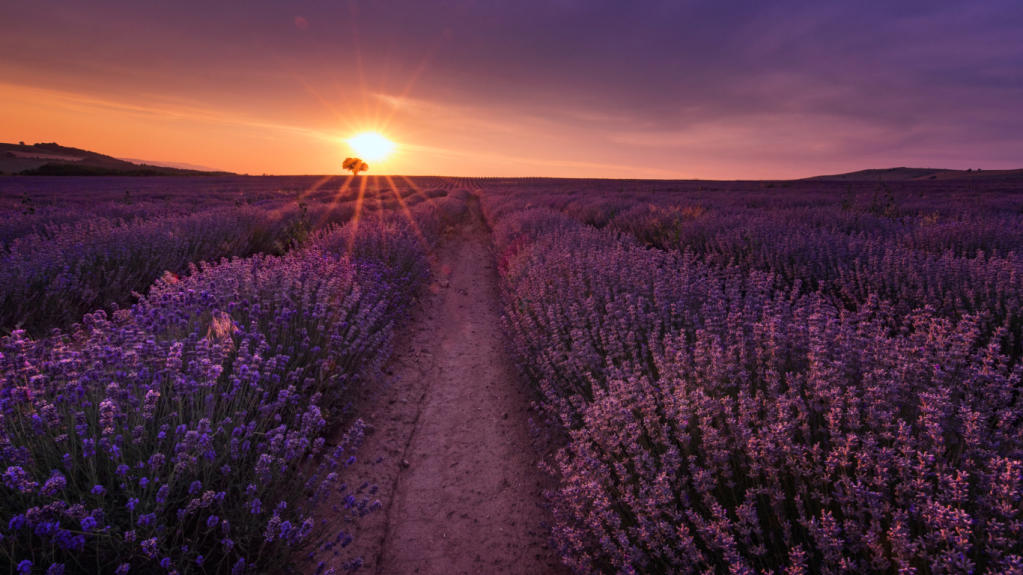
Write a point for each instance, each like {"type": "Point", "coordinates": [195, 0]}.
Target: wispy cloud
{"type": "Point", "coordinates": [160, 109]}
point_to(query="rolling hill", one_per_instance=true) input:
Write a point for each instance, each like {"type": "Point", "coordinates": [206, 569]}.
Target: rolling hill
{"type": "Point", "coordinates": [55, 160]}
{"type": "Point", "coordinates": [897, 174]}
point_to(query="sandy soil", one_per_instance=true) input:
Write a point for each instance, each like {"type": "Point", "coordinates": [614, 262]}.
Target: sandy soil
{"type": "Point", "coordinates": [459, 484]}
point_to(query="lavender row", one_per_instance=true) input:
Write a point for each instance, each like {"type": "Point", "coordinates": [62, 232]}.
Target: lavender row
{"type": "Point", "coordinates": [42, 206]}
{"type": "Point", "coordinates": [112, 197]}
{"type": "Point", "coordinates": [959, 263]}
{"type": "Point", "coordinates": [190, 434]}
{"type": "Point", "coordinates": [719, 420]}
{"type": "Point", "coordinates": [27, 220]}
{"type": "Point", "coordinates": [52, 280]}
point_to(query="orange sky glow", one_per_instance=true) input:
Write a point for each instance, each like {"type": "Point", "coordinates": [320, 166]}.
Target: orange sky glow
{"type": "Point", "coordinates": [476, 89]}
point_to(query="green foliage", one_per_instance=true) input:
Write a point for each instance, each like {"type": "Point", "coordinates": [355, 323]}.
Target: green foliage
{"type": "Point", "coordinates": [297, 231]}
{"type": "Point", "coordinates": [62, 169]}
{"type": "Point", "coordinates": [849, 201]}
{"type": "Point", "coordinates": [883, 203]}
{"type": "Point", "coordinates": [28, 209]}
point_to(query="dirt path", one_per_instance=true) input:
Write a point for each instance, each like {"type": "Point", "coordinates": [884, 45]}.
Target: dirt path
{"type": "Point", "coordinates": [458, 480]}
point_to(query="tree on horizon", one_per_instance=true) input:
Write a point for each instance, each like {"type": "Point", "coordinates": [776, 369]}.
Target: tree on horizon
{"type": "Point", "coordinates": [356, 165]}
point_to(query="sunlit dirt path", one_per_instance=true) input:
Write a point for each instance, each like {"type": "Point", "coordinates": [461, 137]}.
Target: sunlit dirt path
{"type": "Point", "coordinates": [458, 481]}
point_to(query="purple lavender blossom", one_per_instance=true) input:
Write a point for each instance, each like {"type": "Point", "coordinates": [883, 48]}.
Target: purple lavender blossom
{"type": "Point", "coordinates": [55, 484]}
{"type": "Point", "coordinates": [150, 548]}
{"type": "Point", "coordinates": [16, 478]}
{"type": "Point", "coordinates": [704, 360]}
{"type": "Point", "coordinates": [88, 524]}
{"type": "Point", "coordinates": [199, 341]}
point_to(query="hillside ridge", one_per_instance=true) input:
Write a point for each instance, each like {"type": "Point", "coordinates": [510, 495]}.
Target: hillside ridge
{"type": "Point", "coordinates": [893, 174]}
{"type": "Point", "coordinates": [52, 159]}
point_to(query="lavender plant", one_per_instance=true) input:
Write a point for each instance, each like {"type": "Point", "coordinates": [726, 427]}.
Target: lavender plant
{"type": "Point", "coordinates": [191, 454]}
{"type": "Point", "coordinates": [51, 281]}
{"type": "Point", "coordinates": [723, 418]}
{"type": "Point", "coordinates": [192, 433]}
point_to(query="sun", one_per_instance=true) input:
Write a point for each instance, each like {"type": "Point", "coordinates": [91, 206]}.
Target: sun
{"type": "Point", "coordinates": [371, 146]}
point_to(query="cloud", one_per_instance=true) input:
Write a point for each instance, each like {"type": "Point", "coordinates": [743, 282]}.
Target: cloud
{"type": "Point", "coordinates": [158, 110]}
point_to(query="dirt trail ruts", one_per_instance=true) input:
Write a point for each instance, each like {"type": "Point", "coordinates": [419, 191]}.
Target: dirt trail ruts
{"type": "Point", "coordinates": [459, 485]}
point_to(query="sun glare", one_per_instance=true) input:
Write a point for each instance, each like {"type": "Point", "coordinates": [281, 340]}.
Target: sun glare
{"type": "Point", "coordinates": [371, 146]}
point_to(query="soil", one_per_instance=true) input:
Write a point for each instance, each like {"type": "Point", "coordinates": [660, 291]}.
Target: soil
{"type": "Point", "coordinates": [458, 479]}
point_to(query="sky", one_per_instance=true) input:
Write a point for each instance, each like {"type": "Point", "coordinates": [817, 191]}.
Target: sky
{"type": "Point", "coordinates": [712, 89]}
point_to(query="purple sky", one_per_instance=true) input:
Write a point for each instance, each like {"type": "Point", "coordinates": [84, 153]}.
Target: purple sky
{"type": "Point", "coordinates": [559, 88]}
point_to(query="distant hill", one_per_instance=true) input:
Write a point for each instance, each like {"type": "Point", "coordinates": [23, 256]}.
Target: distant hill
{"type": "Point", "coordinates": [179, 165]}
{"type": "Point", "coordinates": [895, 174]}
{"type": "Point", "coordinates": [56, 160]}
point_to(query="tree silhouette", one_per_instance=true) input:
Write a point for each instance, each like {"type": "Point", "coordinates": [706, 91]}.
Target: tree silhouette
{"type": "Point", "coordinates": [356, 165]}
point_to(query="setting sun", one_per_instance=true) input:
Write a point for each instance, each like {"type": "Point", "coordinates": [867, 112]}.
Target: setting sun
{"type": "Point", "coordinates": [371, 146]}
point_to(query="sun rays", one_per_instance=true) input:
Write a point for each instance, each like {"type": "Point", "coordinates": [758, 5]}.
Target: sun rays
{"type": "Point", "coordinates": [372, 197]}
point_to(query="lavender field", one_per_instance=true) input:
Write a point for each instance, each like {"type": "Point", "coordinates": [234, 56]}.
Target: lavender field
{"type": "Point", "coordinates": [737, 377]}
{"type": "Point", "coordinates": [801, 379]}
{"type": "Point", "coordinates": [196, 418]}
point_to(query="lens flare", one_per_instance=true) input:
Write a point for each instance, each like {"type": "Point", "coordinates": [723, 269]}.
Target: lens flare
{"type": "Point", "coordinates": [371, 146]}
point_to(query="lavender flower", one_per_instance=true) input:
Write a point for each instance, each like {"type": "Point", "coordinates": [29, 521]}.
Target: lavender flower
{"type": "Point", "coordinates": [277, 340]}
{"type": "Point", "coordinates": [88, 524]}
{"type": "Point", "coordinates": [753, 350]}
{"type": "Point", "coordinates": [150, 548]}
{"type": "Point", "coordinates": [16, 478]}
